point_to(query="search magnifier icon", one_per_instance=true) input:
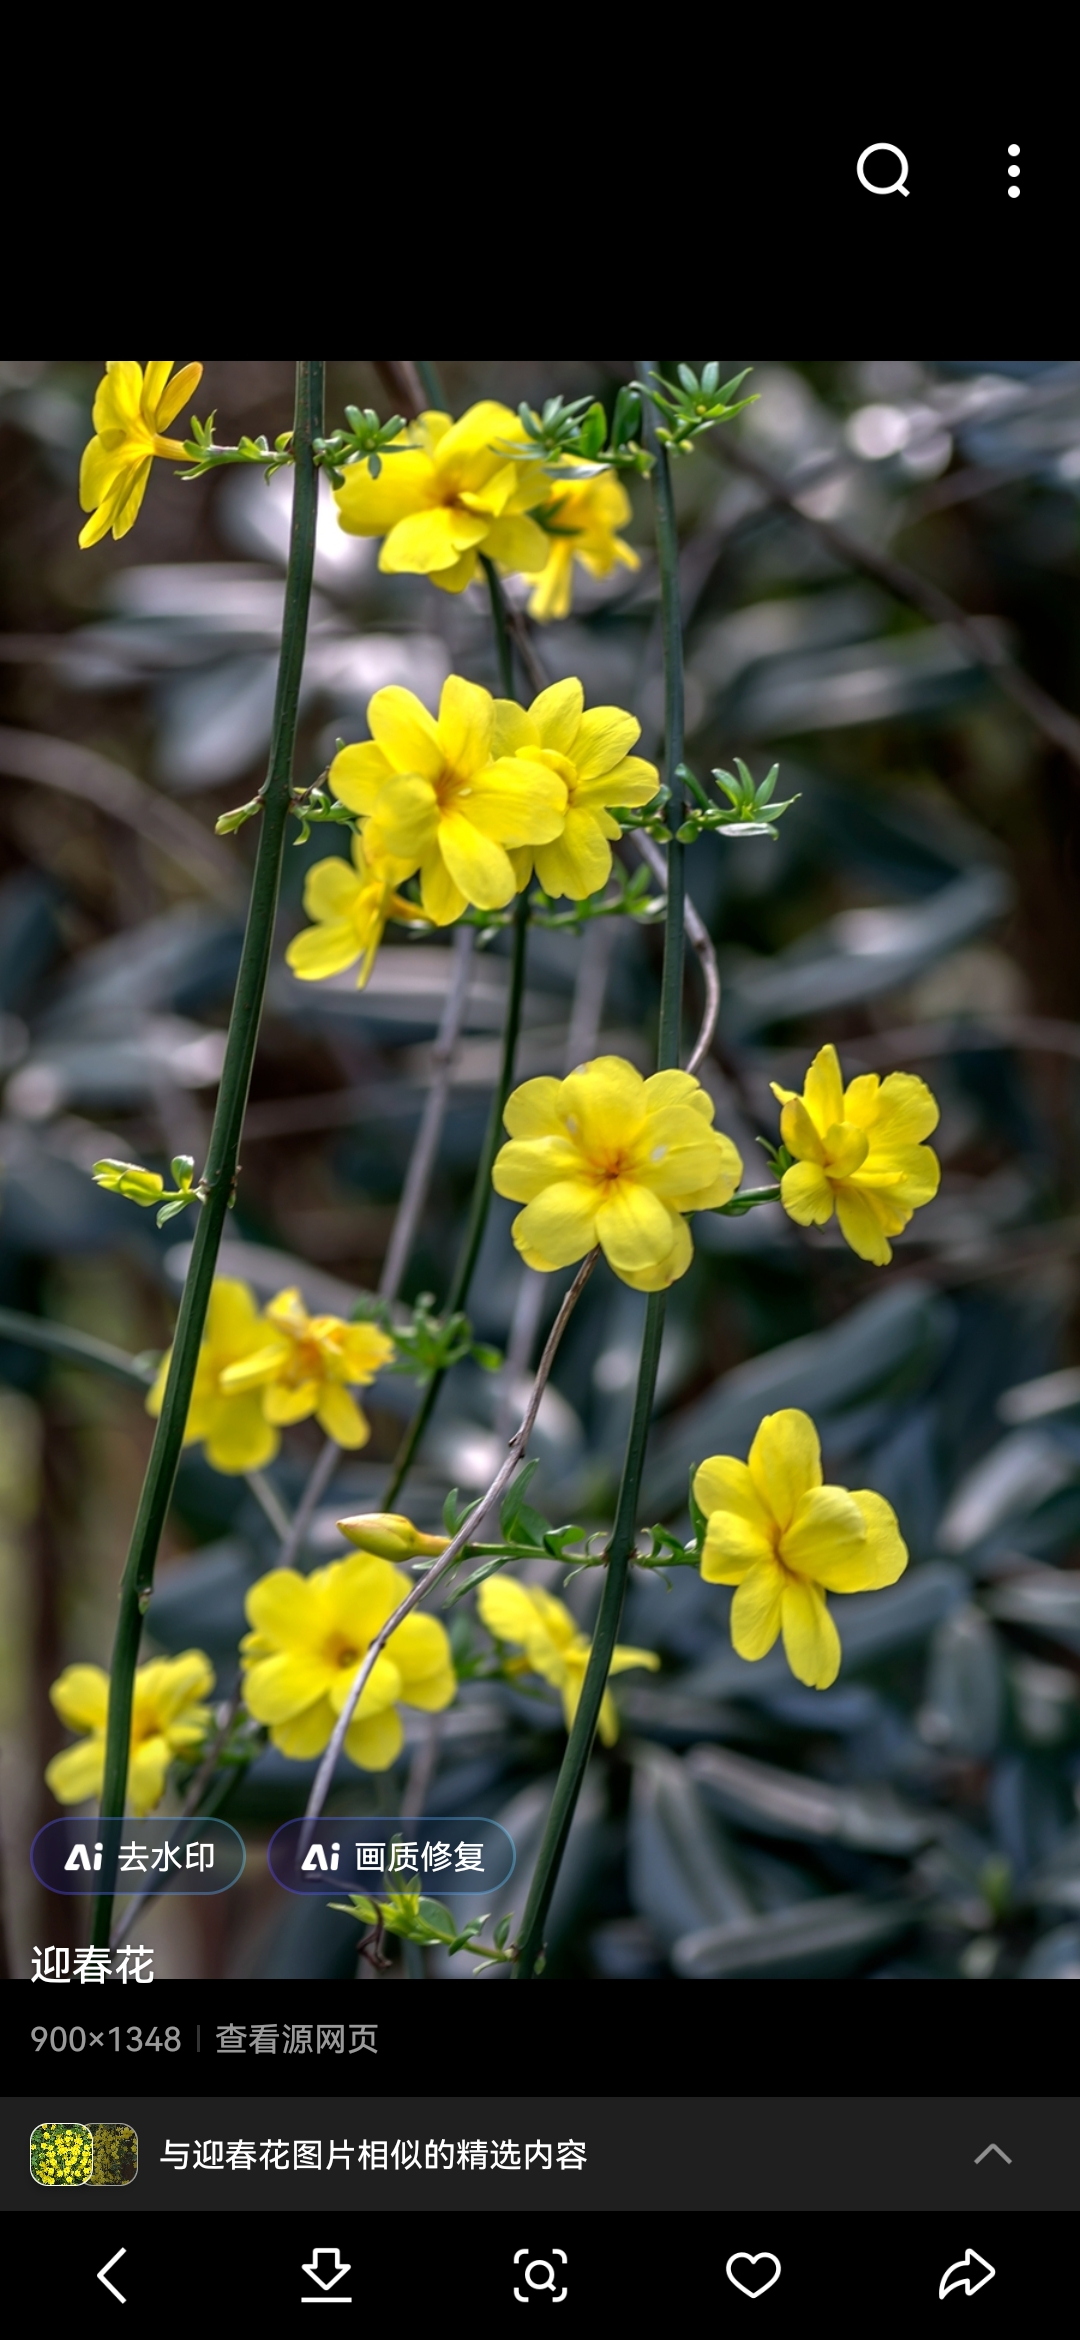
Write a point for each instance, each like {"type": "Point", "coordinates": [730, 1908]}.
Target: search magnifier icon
{"type": "Point", "coordinates": [895, 186]}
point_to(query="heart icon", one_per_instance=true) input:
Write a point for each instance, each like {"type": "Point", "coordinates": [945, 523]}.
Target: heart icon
{"type": "Point", "coordinates": [763, 2282]}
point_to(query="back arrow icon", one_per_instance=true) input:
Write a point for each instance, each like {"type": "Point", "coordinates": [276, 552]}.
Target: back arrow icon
{"type": "Point", "coordinates": [103, 2276]}
{"type": "Point", "coordinates": [961, 2278]}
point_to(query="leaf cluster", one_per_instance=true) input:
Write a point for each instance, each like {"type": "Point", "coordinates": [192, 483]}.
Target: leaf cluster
{"type": "Point", "coordinates": [749, 812]}
{"type": "Point", "coordinates": [426, 1343]}
{"type": "Point", "coordinates": [206, 457]}
{"type": "Point", "coordinates": [366, 440]}
{"type": "Point", "coordinates": [694, 403]}
{"type": "Point", "coordinates": [415, 1917]}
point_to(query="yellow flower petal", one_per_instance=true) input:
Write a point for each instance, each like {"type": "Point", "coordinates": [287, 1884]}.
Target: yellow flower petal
{"type": "Point", "coordinates": [534, 1110]}
{"type": "Point", "coordinates": [900, 1111]}
{"type": "Point", "coordinates": [560, 1224]}
{"type": "Point", "coordinates": [278, 1687]}
{"type": "Point", "coordinates": [382, 1688]}
{"type": "Point", "coordinates": [81, 1697]}
{"type": "Point", "coordinates": [331, 888]}
{"type": "Point", "coordinates": [238, 1436]}
{"type": "Point", "coordinates": [428, 541]}
{"type": "Point", "coordinates": [408, 736]}
{"type": "Point", "coordinates": [733, 1545]}
{"type": "Point", "coordinates": [306, 1734]}
{"type": "Point", "coordinates": [861, 1225]}
{"type": "Point", "coordinates": [442, 900]}
{"type": "Point", "coordinates": [147, 1771]}
{"type": "Point", "coordinates": [667, 1270]}
{"type": "Point", "coordinates": [811, 1641]}
{"type": "Point", "coordinates": [526, 1166]}
{"type": "Point", "coordinates": [323, 950]}
{"type": "Point", "coordinates": [756, 1610]}
{"type": "Point", "coordinates": [807, 1195]}
{"type": "Point", "coordinates": [517, 544]}
{"type": "Point", "coordinates": [556, 714]}
{"type": "Point", "coordinates": [605, 736]}
{"type": "Point", "coordinates": [341, 1418]}
{"type": "Point", "coordinates": [824, 1090]}
{"type": "Point", "coordinates": [477, 866]}
{"type": "Point", "coordinates": [373, 1741]}
{"type": "Point", "coordinates": [466, 723]}
{"type": "Point", "coordinates": [579, 862]}
{"type": "Point", "coordinates": [77, 1773]}
{"type": "Point", "coordinates": [634, 1227]}
{"type": "Point", "coordinates": [723, 1484]}
{"type": "Point", "coordinates": [369, 507]}
{"type": "Point", "coordinates": [284, 1608]}
{"type": "Point", "coordinates": [785, 1462]}
{"type": "Point", "coordinates": [826, 1538]}
{"type": "Point", "coordinates": [359, 774]}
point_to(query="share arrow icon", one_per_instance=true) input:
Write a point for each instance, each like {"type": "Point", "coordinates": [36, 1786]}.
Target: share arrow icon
{"type": "Point", "coordinates": [963, 2276]}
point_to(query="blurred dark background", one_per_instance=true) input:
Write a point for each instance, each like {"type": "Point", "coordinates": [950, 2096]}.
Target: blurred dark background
{"type": "Point", "coordinates": [918, 908]}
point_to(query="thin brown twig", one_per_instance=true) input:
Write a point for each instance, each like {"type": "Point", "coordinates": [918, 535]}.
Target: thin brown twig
{"type": "Point", "coordinates": [410, 1209]}
{"type": "Point", "coordinates": [980, 637]}
{"type": "Point", "coordinates": [81, 772]}
{"type": "Point", "coordinates": [518, 1445]}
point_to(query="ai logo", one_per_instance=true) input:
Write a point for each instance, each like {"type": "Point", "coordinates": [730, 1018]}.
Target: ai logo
{"type": "Point", "coordinates": [79, 1858]}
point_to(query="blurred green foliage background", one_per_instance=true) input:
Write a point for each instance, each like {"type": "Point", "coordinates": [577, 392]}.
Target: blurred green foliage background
{"type": "Point", "coordinates": [919, 909]}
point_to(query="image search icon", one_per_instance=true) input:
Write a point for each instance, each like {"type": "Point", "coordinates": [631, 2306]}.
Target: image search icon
{"type": "Point", "coordinates": [897, 186]}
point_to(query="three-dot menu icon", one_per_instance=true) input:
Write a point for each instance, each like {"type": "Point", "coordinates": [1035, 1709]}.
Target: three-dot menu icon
{"type": "Point", "coordinates": [1014, 172]}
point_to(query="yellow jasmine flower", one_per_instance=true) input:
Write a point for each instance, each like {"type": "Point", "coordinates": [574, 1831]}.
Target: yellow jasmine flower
{"type": "Point", "coordinates": [859, 1150]}
{"type": "Point", "coordinates": [785, 1540]}
{"type": "Point", "coordinates": [233, 1425]}
{"type": "Point", "coordinates": [553, 1644]}
{"type": "Point", "coordinates": [131, 410]}
{"type": "Point", "coordinates": [304, 1365]}
{"type": "Point", "coordinates": [432, 796]}
{"type": "Point", "coordinates": [311, 1633]}
{"type": "Point", "coordinates": [580, 522]}
{"type": "Point", "coordinates": [350, 908]}
{"type": "Point", "coordinates": [589, 752]}
{"type": "Point", "coordinates": [450, 497]}
{"type": "Point", "coordinates": [167, 1719]}
{"type": "Point", "coordinates": [607, 1157]}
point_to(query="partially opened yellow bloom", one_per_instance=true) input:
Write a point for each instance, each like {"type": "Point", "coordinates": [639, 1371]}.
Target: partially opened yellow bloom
{"type": "Point", "coordinates": [167, 1719]}
{"type": "Point", "coordinates": [230, 1422]}
{"type": "Point", "coordinates": [304, 1366]}
{"type": "Point", "coordinates": [433, 796]}
{"type": "Point", "coordinates": [350, 907]}
{"type": "Point", "coordinates": [310, 1635]}
{"type": "Point", "coordinates": [858, 1150]}
{"type": "Point", "coordinates": [590, 753]}
{"type": "Point", "coordinates": [581, 522]}
{"type": "Point", "coordinates": [450, 497]}
{"type": "Point", "coordinates": [131, 411]}
{"type": "Point", "coordinates": [553, 1643]}
{"type": "Point", "coordinates": [607, 1157]}
{"type": "Point", "coordinates": [785, 1540]}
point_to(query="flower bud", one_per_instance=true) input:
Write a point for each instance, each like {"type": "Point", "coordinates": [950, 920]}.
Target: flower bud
{"type": "Point", "coordinates": [140, 1186]}
{"type": "Point", "coordinates": [390, 1536]}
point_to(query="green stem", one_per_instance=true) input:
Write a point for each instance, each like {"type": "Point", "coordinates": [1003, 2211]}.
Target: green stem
{"type": "Point", "coordinates": [620, 1549]}
{"type": "Point", "coordinates": [482, 1188]}
{"type": "Point", "coordinates": [430, 383]}
{"type": "Point", "coordinates": [501, 625]}
{"type": "Point", "coordinates": [77, 1348]}
{"type": "Point", "coordinates": [222, 1159]}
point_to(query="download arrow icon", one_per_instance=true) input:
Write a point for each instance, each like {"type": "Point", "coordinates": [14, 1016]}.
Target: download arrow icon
{"type": "Point", "coordinates": [962, 2276]}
